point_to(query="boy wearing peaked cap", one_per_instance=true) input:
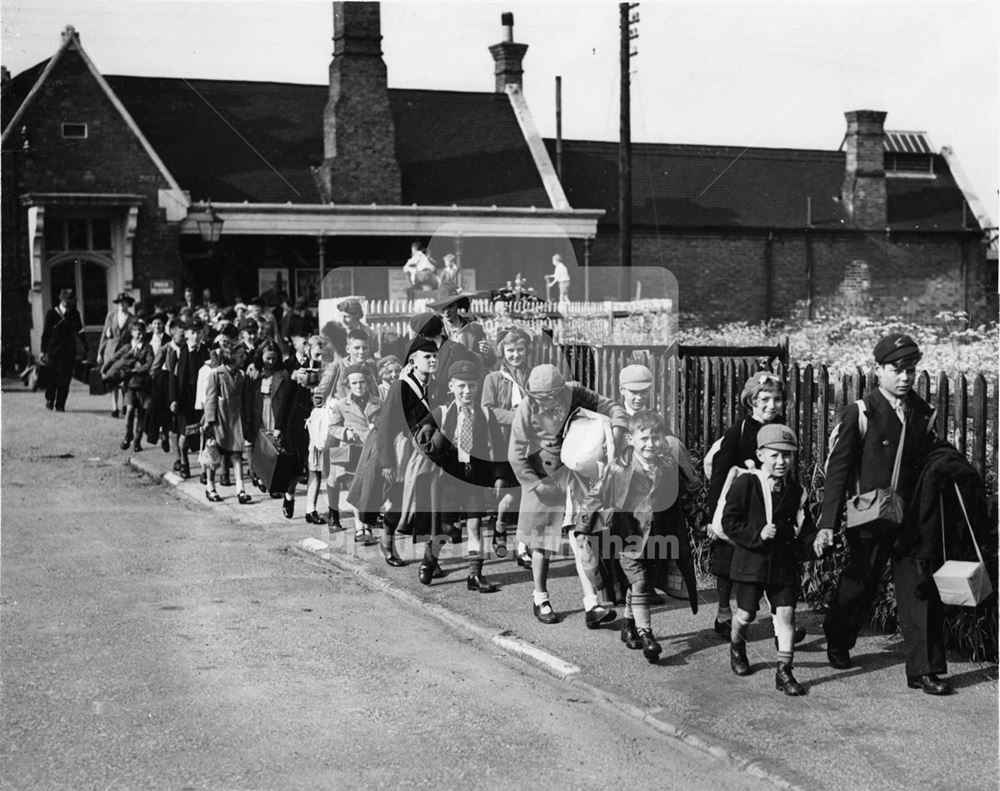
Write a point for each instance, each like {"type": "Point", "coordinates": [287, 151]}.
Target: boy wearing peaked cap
{"type": "Point", "coordinates": [862, 459]}
{"type": "Point", "coordinates": [766, 518]}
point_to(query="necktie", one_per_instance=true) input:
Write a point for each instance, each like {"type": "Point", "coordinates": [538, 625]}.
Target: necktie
{"type": "Point", "coordinates": [465, 433]}
{"type": "Point", "coordinates": [777, 486]}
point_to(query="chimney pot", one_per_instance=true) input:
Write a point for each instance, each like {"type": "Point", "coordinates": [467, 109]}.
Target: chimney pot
{"type": "Point", "coordinates": [507, 56]}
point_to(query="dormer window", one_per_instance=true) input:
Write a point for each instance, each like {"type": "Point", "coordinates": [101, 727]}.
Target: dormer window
{"type": "Point", "coordinates": [74, 131]}
{"type": "Point", "coordinates": [908, 154]}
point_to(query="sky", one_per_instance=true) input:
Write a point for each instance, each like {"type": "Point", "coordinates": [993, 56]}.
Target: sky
{"type": "Point", "coordinates": [740, 73]}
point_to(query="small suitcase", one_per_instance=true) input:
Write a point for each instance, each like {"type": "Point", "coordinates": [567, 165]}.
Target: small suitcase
{"type": "Point", "coordinates": [97, 385]}
{"type": "Point", "coordinates": [275, 465]}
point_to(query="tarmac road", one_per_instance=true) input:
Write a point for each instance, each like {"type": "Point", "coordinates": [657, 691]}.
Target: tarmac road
{"type": "Point", "coordinates": [148, 643]}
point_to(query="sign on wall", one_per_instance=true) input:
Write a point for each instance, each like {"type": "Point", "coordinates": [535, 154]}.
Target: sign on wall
{"type": "Point", "coordinates": [161, 288]}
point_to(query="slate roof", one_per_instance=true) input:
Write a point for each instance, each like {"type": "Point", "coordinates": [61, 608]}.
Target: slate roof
{"type": "Point", "coordinates": [228, 140]}
{"type": "Point", "coordinates": [689, 186]}
{"type": "Point", "coordinates": [236, 141]}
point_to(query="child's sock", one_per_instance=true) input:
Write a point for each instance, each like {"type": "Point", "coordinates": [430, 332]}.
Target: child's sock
{"type": "Point", "coordinates": [785, 657]}
{"type": "Point", "coordinates": [640, 610]}
{"type": "Point", "coordinates": [540, 598]}
{"type": "Point", "coordinates": [590, 601]}
{"type": "Point", "coordinates": [739, 631]}
{"type": "Point", "coordinates": [475, 564]}
{"type": "Point", "coordinates": [724, 613]}
{"type": "Point", "coordinates": [628, 604]}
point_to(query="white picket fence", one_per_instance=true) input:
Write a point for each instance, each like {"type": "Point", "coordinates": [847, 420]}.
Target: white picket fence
{"type": "Point", "coordinates": [643, 321]}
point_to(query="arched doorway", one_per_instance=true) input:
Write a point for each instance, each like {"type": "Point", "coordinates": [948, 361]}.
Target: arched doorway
{"type": "Point", "coordinates": [88, 277]}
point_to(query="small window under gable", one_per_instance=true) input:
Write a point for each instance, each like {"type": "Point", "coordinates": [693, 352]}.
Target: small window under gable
{"type": "Point", "coordinates": [74, 131]}
{"type": "Point", "coordinates": [908, 154]}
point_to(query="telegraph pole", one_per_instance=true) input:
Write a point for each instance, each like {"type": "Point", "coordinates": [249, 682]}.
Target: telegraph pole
{"type": "Point", "coordinates": [628, 18]}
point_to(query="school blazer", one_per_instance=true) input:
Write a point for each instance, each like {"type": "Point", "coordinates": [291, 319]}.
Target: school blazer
{"type": "Point", "coordinates": [862, 464]}
{"type": "Point", "coordinates": [485, 457]}
{"type": "Point", "coordinates": [402, 411]}
{"type": "Point", "coordinates": [776, 560]}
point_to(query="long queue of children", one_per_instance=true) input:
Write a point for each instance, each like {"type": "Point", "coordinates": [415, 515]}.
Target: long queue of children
{"type": "Point", "coordinates": [450, 428]}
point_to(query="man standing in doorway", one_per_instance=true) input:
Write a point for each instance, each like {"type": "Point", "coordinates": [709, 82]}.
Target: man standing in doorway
{"type": "Point", "coordinates": [63, 344]}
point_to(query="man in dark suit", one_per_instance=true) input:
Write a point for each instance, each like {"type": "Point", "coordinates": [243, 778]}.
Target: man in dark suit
{"type": "Point", "coordinates": [863, 459]}
{"type": "Point", "coordinates": [63, 344]}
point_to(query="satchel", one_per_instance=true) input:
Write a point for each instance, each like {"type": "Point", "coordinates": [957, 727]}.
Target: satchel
{"type": "Point", "coordinates": [715, 526]}
{"type": "Point", "coordinates": [960, 582]}
{"type": "Point", "coordinates": [879, 509]}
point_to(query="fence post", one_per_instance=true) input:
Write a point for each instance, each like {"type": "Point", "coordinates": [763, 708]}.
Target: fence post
{"type": "Point", "coordinates": [806, 423]}
{"type": "Point", "coordinates": [792, 397]}
{"type": "Point", "coordinates": [942, 405]}
{"type": "Point", "coordinates": [706, 398]}
{"type": "Point", "coordinates": [923, 387]}
{"type": "Point", "coordinates": [733, 391]}
{"type": "Point", "coordinates": [961, 412]}
{"type": "Point", "coordinates": [823, 412]}
{"type": "Point", "coordinates": [979, 425]}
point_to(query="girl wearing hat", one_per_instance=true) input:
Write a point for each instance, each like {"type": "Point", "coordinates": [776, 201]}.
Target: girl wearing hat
{"type": "Point", "coordinates": [503, 390]}
{"type": "Point", "coordinates": [115, 332]}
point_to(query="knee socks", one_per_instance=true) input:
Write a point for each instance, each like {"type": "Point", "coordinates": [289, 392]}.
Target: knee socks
{"type": "Point", "coordinates": [475, 564]}
{"type": "Point", "coordinates": [724, 587]}
{"type": "Point", "coordinates": [739, 631]}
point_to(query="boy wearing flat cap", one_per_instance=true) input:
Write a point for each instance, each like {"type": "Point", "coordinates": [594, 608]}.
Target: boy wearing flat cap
{"type": "Point", "coordinates": [466, 443]}
{"type": "Point", "coordinates": [635, 386]}
{"type": "Point", "coordinates": [863, 459]}
{"type": "Point", "coordinates": [767, 519]}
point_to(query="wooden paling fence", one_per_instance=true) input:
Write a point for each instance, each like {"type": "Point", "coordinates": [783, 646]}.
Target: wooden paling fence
{"type": "Point", "coordinates": [701, 395]}
{"type": "Point", "coordinates": [710, 389]}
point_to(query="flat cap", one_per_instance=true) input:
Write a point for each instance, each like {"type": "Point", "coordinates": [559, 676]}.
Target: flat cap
{"type": "Point", "coordinates": [635, 377]}
{"type": "Point", "coordinates": [545, 379]}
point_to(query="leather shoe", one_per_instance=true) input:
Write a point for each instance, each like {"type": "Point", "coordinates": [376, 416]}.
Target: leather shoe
{"type": "Point", "coordinates": [629, 634]}
{"type": "Point", "coordinates": [724, 629]}
{"type": "Point", "coordinates": [125, 443]}
{"type": "Point", "coordinates": [389, 553]}
{"type": "Point", "coordinates": [785, 682]}
{"type": "Point", "coordinates": [476, 582]}
{"type": "Point", "coordinates": [839, 658]}
{"type": "Point", "coordinates": [598, 615]}
{"type": "Point", "coordinates": [437, 572]}
{"type": "Point", "coordinates": [544, 612]}
{"type": "Point", "coordinates": [185, 471]}
{"type": "Point", "coordinates": [165, 443]}
{"type": "Point", "coordinates": [738, 658]}
{"type": "Point", "coordinates": [288, 508]}
{"type": "Point", "coordinates": [313, 518]}
{"type": "Point", "coordinates": [425, 574]}
{"type": "Point", "coordinates": [650, 648]}
{"type": "Point", "coordinates": [930, 684]}
{"type": "Point", "coordinates": [137, 446]}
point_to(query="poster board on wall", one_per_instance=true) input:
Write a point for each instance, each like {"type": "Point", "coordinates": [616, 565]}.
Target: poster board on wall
{"type": "Point", "coordinates": [307, 285]}
{"type": "Point", "coordinates": [337, 283]}
{"type": "Point", "coordinates": [399, 284]}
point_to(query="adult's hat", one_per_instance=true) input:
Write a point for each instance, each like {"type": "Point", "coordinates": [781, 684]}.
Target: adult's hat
{"type": "Point", "coordinates": [123, 297]}
{"type": "Point", "coordinates": [389, 359]}
{"type": "Point", "coordinates": [465, 370]}
{"type": "Point", "coordinates": [635, 377]}
{"type": "Point", "coordinates": [777, 436]}
{"type": "Point", "coordinates": [357, 368]}
{"type": "Point", "coordinates": [457, 301]}
{"type": "Point", "coordinates": [545, 379]}
{"type": "Point", "coordinates": [421, 344]}
{"type": "Point", "coordinates": [229, 331]}
{"type": "Point", "coordinates": [351, 307]}
{"type": "Point", "coordinates": [896, 346]}
{"type": "Point", "coordinates": [250, 325]}
{"type": "Point", "coordinates": [427, 323]}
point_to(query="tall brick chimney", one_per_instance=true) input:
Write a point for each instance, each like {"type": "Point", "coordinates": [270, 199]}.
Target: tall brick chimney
{"type": "Point", "coordinates": [507, 56]}
{"type": "Point", "coordinates": [359, 147]}
{"type": "Point", "coordinates": [863, 191]}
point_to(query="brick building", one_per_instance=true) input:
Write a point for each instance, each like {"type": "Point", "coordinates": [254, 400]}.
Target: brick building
{"type": "Point", "coordinates": [108, 182]}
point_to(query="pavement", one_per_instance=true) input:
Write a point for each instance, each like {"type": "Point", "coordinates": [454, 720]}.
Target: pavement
{"type": "Point", "coordinates": [859, 728]}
